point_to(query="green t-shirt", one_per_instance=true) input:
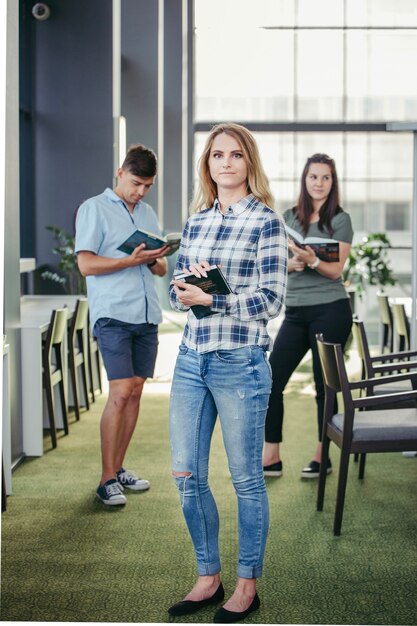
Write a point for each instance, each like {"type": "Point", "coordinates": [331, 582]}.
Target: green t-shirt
{"type": "Point", "coordinates": [309, 287]}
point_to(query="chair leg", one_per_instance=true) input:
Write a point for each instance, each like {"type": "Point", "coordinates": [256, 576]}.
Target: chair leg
{"type": "Point", "coordinates": [90, 374]}
{"type": "Point", "coordinates": [74, 383]}
{"type": "Point", "coordinates": [82, 362]}
{"type": "Point", "coordinates": [341, 490]}
{"type": "Point", "coordinates": [63, 406]}
{"type": "Point", "coordinates": [85, 387]}
{"type": "Point", "coordinates": [323, 473]}
{"type": "Point", "coordinates": [51, 411]}
{"type": "Point", "coordinates": [99, 371]}
{"type": "Point", "coordinates": [3, 488]}
{"type": "Point", "coordinates": [362, 466]}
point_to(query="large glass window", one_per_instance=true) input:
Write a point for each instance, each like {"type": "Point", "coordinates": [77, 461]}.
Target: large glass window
{"type": "Point", "coordinates": [287, 60]}
{"type": "Point", "coordinates": [280, 66]}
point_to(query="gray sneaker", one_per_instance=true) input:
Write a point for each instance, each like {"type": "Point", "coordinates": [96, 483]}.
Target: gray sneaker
{"type": "Point", "coordinates": [110, 493]}
{"type": "Point", "coordinates": [129, 480]}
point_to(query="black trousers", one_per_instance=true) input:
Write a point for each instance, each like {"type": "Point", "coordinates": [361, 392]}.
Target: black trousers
{"type": "Point", "coordinates": [296, 336]}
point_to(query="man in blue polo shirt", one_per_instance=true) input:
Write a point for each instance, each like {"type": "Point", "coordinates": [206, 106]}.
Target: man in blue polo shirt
{"type": "Point", "coordinates": [124, 307]}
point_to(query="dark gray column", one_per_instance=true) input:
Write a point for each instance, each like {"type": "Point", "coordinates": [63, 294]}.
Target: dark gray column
{"type": "Point", "coordinates": [157, 96]}
{"type": "Point", "coordinates": [70, 58]}
{"type": "Point", "coordinates": [139, 75]}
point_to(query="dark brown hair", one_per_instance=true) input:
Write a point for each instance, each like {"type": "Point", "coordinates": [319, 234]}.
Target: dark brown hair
{"type": "Point", "coordinates": [140, 161]}
{"type": "Point", "coordinates": [330, 208]}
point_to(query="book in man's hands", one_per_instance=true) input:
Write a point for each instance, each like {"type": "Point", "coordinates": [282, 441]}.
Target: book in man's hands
{"type": "Point", "coordinates": [152, 241]}
{"type": "Point", "coordinates": [325, 249]}
{"type": "Point", "coordinates": [215, 283]}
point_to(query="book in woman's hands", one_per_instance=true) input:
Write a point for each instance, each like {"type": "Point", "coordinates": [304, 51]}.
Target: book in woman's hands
{"type": "Point", "coordinates": [325, 249]}
{"type": "Point", "coordinates": [152, 241]}
{"type": "Point", "coordinates": [215, 283]}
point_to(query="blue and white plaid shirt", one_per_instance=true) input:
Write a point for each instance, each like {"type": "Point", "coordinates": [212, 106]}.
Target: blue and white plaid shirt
{"type": "Point", "coordinates": [250, 244]}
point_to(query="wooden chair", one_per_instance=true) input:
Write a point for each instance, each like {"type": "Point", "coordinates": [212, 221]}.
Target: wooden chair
{"type": "Point", "coordinates": [78, 353]}
{"type": "Point", "coordinates": [53, 373]}
{"type": "Point", "coordinates": [402, 326]}
{"type": "Point", "coordinates": [93, 354]}
{"type": "Point", "coordinates": [357, 430]}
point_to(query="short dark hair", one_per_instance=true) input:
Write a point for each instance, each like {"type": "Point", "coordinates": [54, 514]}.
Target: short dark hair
{"type": "Point", "coordinates": [140, 161]}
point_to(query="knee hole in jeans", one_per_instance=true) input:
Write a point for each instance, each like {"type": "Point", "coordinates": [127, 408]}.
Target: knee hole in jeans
{"type": "Point", "coordinates": [181, 480]}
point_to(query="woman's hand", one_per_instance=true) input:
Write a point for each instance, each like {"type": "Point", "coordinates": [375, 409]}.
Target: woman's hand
{"type": "Point", "coordinates": [295, 264]}
{"type": "Point", "coordinates": [191, 294]}
{"type": "Point", "coordinates": [199, 269]}
{"type": "Point", "coordinates": [304, 255]}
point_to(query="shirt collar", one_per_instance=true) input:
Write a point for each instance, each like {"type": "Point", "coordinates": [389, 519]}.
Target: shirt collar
{"type": "Point", "coordinates": [112, 195]}
{"type": "Point", "coordinates": [238, 207]}
{"type": "Point", "coordinates": [115, 198]}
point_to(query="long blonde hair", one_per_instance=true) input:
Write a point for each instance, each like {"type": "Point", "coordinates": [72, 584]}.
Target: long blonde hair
{"type": "Point", "coordinates": [258, 183]}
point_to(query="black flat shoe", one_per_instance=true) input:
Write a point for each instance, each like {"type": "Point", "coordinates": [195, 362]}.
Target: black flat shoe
{"type": "Point", "coordinates": [312, 470]}
{"type": "Point", "coordinates": [223, 616]}
{"type": "Point", "coordinates": [185, 607]}
{"type": "Point", "coordinates": [275, 469]}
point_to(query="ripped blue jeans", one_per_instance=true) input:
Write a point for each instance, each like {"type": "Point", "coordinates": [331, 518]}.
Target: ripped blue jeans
{"type": "Point", "coordinates": [235, 385]}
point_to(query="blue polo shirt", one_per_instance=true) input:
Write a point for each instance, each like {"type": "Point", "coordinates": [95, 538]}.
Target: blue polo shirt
{"type": "Point", "coordinates": [129, 295]}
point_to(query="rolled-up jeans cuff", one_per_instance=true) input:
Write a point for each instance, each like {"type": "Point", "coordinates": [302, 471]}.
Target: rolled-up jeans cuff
{"type": "Point", "coordinates": [208, 569]}
{"type": "Point", "coordinates": [245, 571]}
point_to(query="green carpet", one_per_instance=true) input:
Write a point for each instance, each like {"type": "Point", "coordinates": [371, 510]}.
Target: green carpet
{"type": "Point", "coordinates": [67, 558]}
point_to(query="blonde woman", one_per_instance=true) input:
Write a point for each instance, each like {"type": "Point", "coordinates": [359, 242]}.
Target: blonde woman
{"type": "Point", "coordinates": [222, 368]}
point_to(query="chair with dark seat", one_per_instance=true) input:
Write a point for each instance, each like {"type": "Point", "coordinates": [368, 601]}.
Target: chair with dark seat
{"type": "Point", "coordinates": [77, 353]}
{"type": "Point", "coordinates": [402, 326]}
{"type": "Point", "coordinates": [363, 427]}
{"type": "Point", "coordinates": [93, 356]}
{"type": "Point", "coordinates": [53, 372]}
{"type": "Point", "coordinates": [387, 337]}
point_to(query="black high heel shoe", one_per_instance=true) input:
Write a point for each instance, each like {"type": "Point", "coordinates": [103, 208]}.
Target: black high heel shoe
{"type": "Point", "coordinates": [223, 616]}
{"type": "Point", "coordinates": [185, 607]}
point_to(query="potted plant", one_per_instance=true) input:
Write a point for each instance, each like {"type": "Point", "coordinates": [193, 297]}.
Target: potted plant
{"type": "Point", "coordinates": [368, 264]}
{"type": "Point", "coordinates": [69, 277]}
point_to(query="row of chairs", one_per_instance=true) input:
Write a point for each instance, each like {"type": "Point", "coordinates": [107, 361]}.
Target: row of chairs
{"type": "Point", "coordinates": [80, 355]}
{"type": "Point", "coordinates": [382, 419]}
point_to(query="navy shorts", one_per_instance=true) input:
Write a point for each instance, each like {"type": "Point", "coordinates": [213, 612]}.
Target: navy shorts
{"type": "Point", "coordinates": [127, 349]}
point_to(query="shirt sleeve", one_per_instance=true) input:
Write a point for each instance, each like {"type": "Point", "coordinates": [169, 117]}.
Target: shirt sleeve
{"type": "Point", "coordinates": [181, 264]}
{"type": "Point", "coordinates": [88, 229]}
{"type": "Point", "coordinates": [266, 301]}
{"type": "Point", "coordinates": [342, 225]}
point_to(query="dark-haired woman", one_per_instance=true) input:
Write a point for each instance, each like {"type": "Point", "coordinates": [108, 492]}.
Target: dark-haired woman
{"type": "Point", "coordinates": [316, 301]}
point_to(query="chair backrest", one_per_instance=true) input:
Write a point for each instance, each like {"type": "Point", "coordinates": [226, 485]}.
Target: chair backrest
{"type": "Point", "coordinates": [80, 314]}
{"type": "Point", "coordinates": [402, 326]}
{"type": "Point", "coordinates": [386, 320]}
{"type": "Point", "coordinates": [60, 326]}
{"type": "Point", "coordinates": [362, 346]}
{"type": "Point", "coordinates": [329, 365]}
{"type": "Point", "coordinates": [335, 379]}
{"type": "Point", "coordinates": [384, 308]}
{"type": "Point", "coordinates": [56, 332]}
